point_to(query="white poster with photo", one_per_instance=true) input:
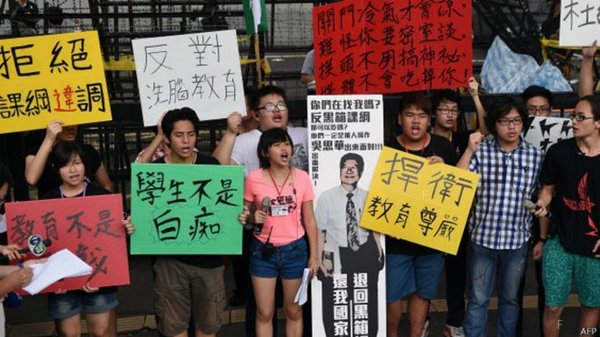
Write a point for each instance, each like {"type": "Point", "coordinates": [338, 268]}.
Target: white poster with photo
{"type": "Point", "coordinates": [579, 22]}
{"type": "Point", "coordinates": [345, 139]}
{"type": "Point", "coordinates": [546, 131]}
{"type": "Point", "coordinates": [200, 71]}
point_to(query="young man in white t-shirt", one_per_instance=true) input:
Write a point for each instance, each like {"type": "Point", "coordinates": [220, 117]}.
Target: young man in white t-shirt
{"type": "Point", "coordinates": [270, 110]}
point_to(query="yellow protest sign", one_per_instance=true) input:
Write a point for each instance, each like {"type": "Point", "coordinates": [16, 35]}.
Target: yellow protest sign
{"type": "Point", "coordinates": [52, 77]}
{"type": "Point", "coordinates": [424, 203]}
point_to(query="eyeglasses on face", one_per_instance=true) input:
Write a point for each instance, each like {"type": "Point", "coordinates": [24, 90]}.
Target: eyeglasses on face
{"type": "Point", "coordinates": [270, 107]}
{"type": "Point", "coordinates": [448, 112]}
{"type": "Point", "coordinates": [580, 117]}
{"type": "Point", "coordinates": [505, 121]}
{"type": "Point", "coordinates": [534, 109]}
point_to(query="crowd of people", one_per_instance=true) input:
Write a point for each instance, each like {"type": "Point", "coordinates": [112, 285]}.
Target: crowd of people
{"type": "Point", "coordinates": [283, 236]}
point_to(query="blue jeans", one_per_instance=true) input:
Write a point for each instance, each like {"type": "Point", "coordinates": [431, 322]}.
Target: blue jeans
{"type": "Point", "coordinates": [483, 266]}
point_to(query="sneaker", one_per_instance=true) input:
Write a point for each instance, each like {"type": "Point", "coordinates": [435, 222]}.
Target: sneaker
{"type": "Point", "coordinates": [425, 331]}
{"type": "Point", "coordinates": [452, 331]}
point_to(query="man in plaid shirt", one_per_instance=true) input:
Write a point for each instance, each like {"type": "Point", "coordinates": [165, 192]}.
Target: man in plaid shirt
{"type": "Point", "coordinates": [499, 224]}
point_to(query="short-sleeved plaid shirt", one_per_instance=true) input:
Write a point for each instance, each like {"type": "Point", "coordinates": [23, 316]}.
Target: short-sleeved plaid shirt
{"type": "Point", "coordinates": [498, 219]}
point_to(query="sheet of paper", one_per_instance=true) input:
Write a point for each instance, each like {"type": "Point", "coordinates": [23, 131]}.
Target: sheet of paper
{"type": "Point", "coordinates": [302, 294]}
{"type": "Point", "coordinates": [58, 266]}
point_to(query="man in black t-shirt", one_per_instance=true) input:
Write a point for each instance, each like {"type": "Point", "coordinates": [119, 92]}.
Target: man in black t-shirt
{"type": "Point", "coordinates": [571, 184]}
{"type": "Point", "coordinates": [413, 271]}
{"type": "Point", "coordinates": [187, 285]}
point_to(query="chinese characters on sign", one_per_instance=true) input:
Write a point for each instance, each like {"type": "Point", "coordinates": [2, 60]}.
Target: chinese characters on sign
{"type": "Point", "coordinates": [52, 77]}
{"type": "Point", "coordinates": [186, 209]}
{"type": "Point", "coordinates": [418, 202]}
{"type": "Point", "coordinates": [90, 227]}
{"type": "Point", "coordinates": [200, 70]}
{"type": "Point", "coordinates": [340, 124]}
{"type": "Point", "coordinates": [579, 22]}
{"type": "Point", "coordinates": [380, 46]}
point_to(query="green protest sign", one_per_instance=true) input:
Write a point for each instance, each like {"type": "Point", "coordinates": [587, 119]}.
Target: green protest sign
{"type": "Point", "coordinates": [186, 209]}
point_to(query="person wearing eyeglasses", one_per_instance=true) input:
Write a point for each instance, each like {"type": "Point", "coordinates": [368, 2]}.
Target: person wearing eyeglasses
{"type": "Point", "coordinates": [449, 123]}
{"type": "Point", "coordinates": [571, 186]}
{"type": "Point", "coordinates": [499, 224]}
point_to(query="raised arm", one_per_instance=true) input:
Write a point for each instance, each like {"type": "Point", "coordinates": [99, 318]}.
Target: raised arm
{"type": "Point", "coordinates": [586, 74]}
{"type": "Point", "coordinates": [34, 164]}
{"type": "Point", "coordinates": [223, 150]}
{"type": "Point", "coordinates": [147, 154]}
{"type": "Point", "coordinates": [473, 88]}
{"type": "Point", "coordinates": [474, 140]}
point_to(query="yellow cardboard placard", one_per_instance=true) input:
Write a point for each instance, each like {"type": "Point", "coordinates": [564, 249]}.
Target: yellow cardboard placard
{"type": "Point", "coordinates": [52, 77]}
{"type": "Point", "coordinates": [424, 203]}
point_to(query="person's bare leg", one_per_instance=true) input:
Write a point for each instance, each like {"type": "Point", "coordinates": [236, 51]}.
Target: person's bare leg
{"type": "Point", "coordinates": [68, 327]}
{"type": "Point", "coordinates": [394, 314]}
{"type": "Point", "coordinates": [264, 292]}
{"type": "Point", "coordinates": [99, 325]}
{"type": "Point", "coordinates": [294, 322]}
{"type": "Point", "coordinates": [589, 321]}
{"type": "Point", "coordinates": [551, 319]}
{"type": "Point", "coordinates": [418, 308]}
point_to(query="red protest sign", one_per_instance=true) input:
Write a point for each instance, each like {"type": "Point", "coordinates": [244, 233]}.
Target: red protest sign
{"type": "Point", "coordinates": [379, 46]}
{"type": "Point", "coordinates": [90, 227]}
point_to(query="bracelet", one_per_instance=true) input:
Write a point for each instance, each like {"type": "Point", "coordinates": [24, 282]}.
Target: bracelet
{"type": "Point", "coordinates": [543, 240]}
{"type": "Point", "coordinates": [20, 265]}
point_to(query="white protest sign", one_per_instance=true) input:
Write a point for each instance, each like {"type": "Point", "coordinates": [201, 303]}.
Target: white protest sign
{"type": "Point", "coordinates": [345, 140]}
{"type": "Point", "coordinates": [546, 131]}
{"type": "Point", "coordinates": [579, 22]}
{"type": "Point", "coordinates": [200, 70]}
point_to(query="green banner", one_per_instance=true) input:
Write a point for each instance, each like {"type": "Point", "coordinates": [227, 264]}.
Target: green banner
{"type": "Point", "coordinates": [186, 209]}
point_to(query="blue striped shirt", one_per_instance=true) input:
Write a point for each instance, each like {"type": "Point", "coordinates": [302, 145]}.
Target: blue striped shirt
{"type": "Point", "coordinates": [498, 219]}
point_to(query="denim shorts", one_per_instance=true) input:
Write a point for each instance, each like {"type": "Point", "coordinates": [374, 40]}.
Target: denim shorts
{"type": "Point", "coordinates": [286, 261]}
{"type": "Point", "coordinates": [408, 274]}
{"type": "Point", "coordinates": [61, 306]}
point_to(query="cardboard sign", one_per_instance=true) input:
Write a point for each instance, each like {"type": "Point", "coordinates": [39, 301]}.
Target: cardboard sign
{"type": "Point", "coordinates": [378, 46]}
{"type": "Point", "coordinates": [579, 22]}
{"type": "Point", "coordinates": [424, 203]}
{"type": "Point", "coordinates": [186, 209]}
{"type": "Point", "coordinates": [52, 77]}
{"type": "Point", "coordinates": [346, 137]}
{"type": "Point", "coordinates": [90, 227]}
{"type": "Point", "coordinates": [200, 70]}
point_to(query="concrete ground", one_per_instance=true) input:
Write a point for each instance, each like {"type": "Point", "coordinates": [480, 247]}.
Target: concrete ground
{"type": "Point", "coordinates": [135, 316]}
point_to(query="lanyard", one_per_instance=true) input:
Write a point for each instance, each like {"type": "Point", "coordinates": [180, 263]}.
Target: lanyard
{"type": "Point", "coordinates": [275, 184]}
{"type": "Point", "coordinates": [408, 151]}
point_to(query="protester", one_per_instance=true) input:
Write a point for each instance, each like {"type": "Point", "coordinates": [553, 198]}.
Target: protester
{"type": "Point", "coordinates": [69, 162]}
{"type": "Point", "coordinates": [187, 285]}
{"type": "Point", "coordinates": [571, 186]}
{"type": "Point", "coordinates": [538, 102]}
{"type": "Point", "coordinates": [280, 196]}
{"type": "Point", "coordinates": [270, 110]}
{"type": "Point", "coordinates": [37, 168]}
{"type": "Point", "coordinates": [412, 270]}
{"type": "Point", "coordinates": [24, 16]}
{"type": "Point", "coordinates": [449, 123]}
{"type": "Point", "coordinates": [499, 224]}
